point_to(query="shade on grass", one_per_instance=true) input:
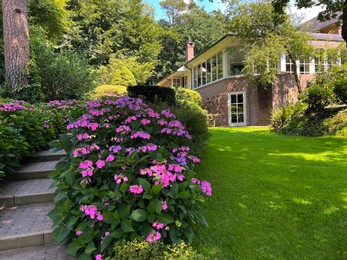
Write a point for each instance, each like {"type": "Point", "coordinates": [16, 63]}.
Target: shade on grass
{"type": "Point", "coordinates": [274, 196]}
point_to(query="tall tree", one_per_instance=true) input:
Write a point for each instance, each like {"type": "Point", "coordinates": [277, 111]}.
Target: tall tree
{"type": "Point", "coordinates": [333, 9]}
{"type": "Point", "coordinates": [264, 38]}
{"type": "Point", "coordinates": [192, 23]}
{"type": "Point", "coordinates": [16, 41]}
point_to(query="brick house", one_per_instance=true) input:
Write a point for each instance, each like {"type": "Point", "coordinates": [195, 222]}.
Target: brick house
{"type": "Point", "coordinates": [216, 75]}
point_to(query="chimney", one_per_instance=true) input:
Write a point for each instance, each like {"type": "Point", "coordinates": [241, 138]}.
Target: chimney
{"type": "Point", "coordinates": [339, 29]}
{"type": "Point", "coordinates": [189, 51]}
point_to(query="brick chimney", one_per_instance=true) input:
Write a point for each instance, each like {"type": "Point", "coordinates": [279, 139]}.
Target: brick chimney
{"type": "Point", "coordinates": [339, 29]}
{"type": "Point", "coordinates": [189, 51]}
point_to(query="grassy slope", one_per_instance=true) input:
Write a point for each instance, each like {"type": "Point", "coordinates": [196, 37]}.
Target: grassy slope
{"type": "Point", "coordinates": [274, 196]}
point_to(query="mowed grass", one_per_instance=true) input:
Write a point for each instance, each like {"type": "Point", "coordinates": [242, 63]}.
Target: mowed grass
{"type": "Point", "coordinates": [274, 196]}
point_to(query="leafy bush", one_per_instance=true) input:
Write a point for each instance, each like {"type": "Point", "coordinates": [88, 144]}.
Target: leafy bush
{"type": "Point", "coordinates": [153, 94]}
{"type": "Point", "coordinates": [31, 93]}
{"type": "Point", "coordinates": [108, 90]}
{"type": "Point", "coordinates": [282, 116]}
{"type": "Point", "coordinates": [319, 96]}
{"type": "Point", "coordinates": [123, 77]}
{"type": "Point", "coordinates": [24, 129]}
{"type": "Point", "coordinates": [184, 95]}
{"type": "Point", "coordinates": [142, 250]}
{"type": "Point", "coordinates": [62, 75]}
{"type": "Point", "coordinates": [128, 174]}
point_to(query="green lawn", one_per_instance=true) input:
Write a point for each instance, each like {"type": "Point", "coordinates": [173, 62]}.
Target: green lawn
{"type": "Point", "coordinates": [274, 196]}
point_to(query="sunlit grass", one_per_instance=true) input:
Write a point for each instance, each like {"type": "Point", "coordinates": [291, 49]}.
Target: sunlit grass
{"type": "Point", "coordinates": [275, 196]}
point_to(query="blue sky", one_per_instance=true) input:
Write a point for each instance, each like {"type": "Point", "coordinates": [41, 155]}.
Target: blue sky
{"type": "Point", "coordinates": [217, 4]}
{"type": "Point", "coordinates": [160, 14]}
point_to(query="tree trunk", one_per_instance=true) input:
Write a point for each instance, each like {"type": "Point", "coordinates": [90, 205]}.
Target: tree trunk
{"type": "Point", "coordinates": [16, 41]}
{"type": "Point", "coordinates": [295, 70]}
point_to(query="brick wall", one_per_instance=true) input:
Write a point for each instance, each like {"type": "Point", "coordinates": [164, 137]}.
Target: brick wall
{"type": "Point", "coordinates": [258, 101]}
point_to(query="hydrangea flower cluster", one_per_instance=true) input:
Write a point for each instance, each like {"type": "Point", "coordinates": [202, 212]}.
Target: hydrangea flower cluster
{"type": "Point", "coordinates": [132, 163]}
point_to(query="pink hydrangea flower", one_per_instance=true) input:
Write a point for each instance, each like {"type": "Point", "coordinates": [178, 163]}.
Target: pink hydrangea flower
{"type": "Point", "coordinates": [153, 236]}
{"type": "Point", "coordinates": [136, 189]}
{"type": "Point", "coordinates": [110, 158]}
{"type": "Point", "coordinates": [100, 164]}
{"type": "Point", "coordinates": [145, 121]}
{"type": "Point", "coordinates": [164, 205]}
{"type": "Point", "coordinates": [79, 232]}
{"type": "Point", "coordinates": [98, 257]}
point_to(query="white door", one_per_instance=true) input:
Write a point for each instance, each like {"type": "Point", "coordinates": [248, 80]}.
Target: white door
{"type": "Point", "coordinates": [237, 108]}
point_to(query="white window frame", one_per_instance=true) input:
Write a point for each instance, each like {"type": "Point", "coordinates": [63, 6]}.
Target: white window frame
{"type": "Point", "coordinates": [244, 108]}
{"type": "Point", "coordinates": [180, 82]}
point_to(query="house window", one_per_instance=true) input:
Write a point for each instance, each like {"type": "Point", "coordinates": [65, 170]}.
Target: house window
{"type": "Point", "coordinates": [220, 65]}
{"type": "Point", "coordinates": [235, 61]}
{"type": "Point", "coordinates": [237, 108]}
{"type": "Point", "coordinates": [208, 71]}
{"type": "Point", "coordinates": [176, 82]}
{"type": "Point", "coordinates": [289, 65]}
{"type": "Point", "coordinates": [304, 67]}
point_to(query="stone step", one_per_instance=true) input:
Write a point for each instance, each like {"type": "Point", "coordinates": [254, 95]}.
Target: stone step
{"type": "Point", "coordinates": [23, 192]}
{"type": "Point", "coordinates": [49, 156]}
{"type": "Point", "coordinates": [25, 226]}
{"type": "Point", "coordinates": [34, 171]}
{"type": "Point", "coordinates": [45, 252]}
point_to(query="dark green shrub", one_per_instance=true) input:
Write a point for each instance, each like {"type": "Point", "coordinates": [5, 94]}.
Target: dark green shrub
{"type": "Point", "coordinates": [153, 94]}
{"type": "Point", "coordinates": [184, 95]}
{"type": "Point", "coordinates": [62, 75]}
{"type": "Point", "coordinates": [142, 250]}
{"type": "Point", "coordinates": [319, 96]}
{"type": "Point", "coordinates": [282, 116]}
{"type": "Point", "coordinates": [31, 93]}
{"type": "Point", "coordinates": [128, 174]}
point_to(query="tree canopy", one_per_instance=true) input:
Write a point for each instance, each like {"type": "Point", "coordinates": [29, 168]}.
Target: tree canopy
{"type": "Point", "coordinates": [264, 38]}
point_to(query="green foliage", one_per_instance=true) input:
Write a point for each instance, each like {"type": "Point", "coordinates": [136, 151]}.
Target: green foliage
{"type": "Point", "coordinates": [153, 94]}
{"type": "Point", "coordinates": [63, 75]}
{"type": "Point", "coordinates": [142, 250]}
{"type": "Point", "coordinates": [185, 22]}
{"type": "Point", "coordinates": [185, 95]}
{"type": "Point", "coordinates": [31, 93]}
{"type": "Point", "coordinates": [123, 77]}
{"type": "Point", "coordinates": [115, 181]}
{"type": "Point", "coordinates": [108, 90]}
{"type": "Point", "coordinates": [282, 116]}
{"type": "Point", "coordinates": [24, 129]}
{"type": "Point", "coordinates": [194, 119]}
{"type": "Point", "coordinates": [50, 15]}
{"type": "Point", "coordinates": [339, 82]}
{"type": "Point", "coordinates": [141, 72]}
{"type": "Point", "coordinates": [263, 37]}
{"type": "Point", "coordinates": [318, 96]}
{"type": "Point", "coordinates": [297, 119]}
{"type": "Point", "coordinates": [102, 28]}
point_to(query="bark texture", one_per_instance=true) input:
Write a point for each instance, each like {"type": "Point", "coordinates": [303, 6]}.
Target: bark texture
{"type": "Point", "coordinates": [16, 41]}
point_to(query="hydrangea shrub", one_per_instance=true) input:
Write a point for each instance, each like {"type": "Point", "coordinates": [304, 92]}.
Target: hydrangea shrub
{"type": "Point", "coordinates": [128, 174]}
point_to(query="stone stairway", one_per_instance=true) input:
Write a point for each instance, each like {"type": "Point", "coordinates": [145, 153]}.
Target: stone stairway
{"type": "Point", "coordinates": [25, 228]}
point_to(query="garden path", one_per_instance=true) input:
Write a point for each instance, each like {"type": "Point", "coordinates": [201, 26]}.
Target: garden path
{"type": "Point", "coordinates": [25, 228]}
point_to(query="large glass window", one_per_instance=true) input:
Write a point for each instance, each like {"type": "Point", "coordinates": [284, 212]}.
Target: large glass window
{"type": "Point", "coordinates": [208, 71]}
{"type": "Point", "coordinates": [220, 65]}
{"type": "Point", "coordinates": [235, 61]}
{"type": "Point", "coordinates": [214, 68]}
{"type": "Point", "coordinates": [237, 108]}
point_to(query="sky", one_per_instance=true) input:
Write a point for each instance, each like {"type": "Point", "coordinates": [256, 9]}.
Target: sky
{"type": "Point", "coordinates": [307, 14]}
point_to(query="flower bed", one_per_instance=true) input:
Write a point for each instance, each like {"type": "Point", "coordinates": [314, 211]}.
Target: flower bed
{"type": "Point", "coordinates": [128, 174]}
